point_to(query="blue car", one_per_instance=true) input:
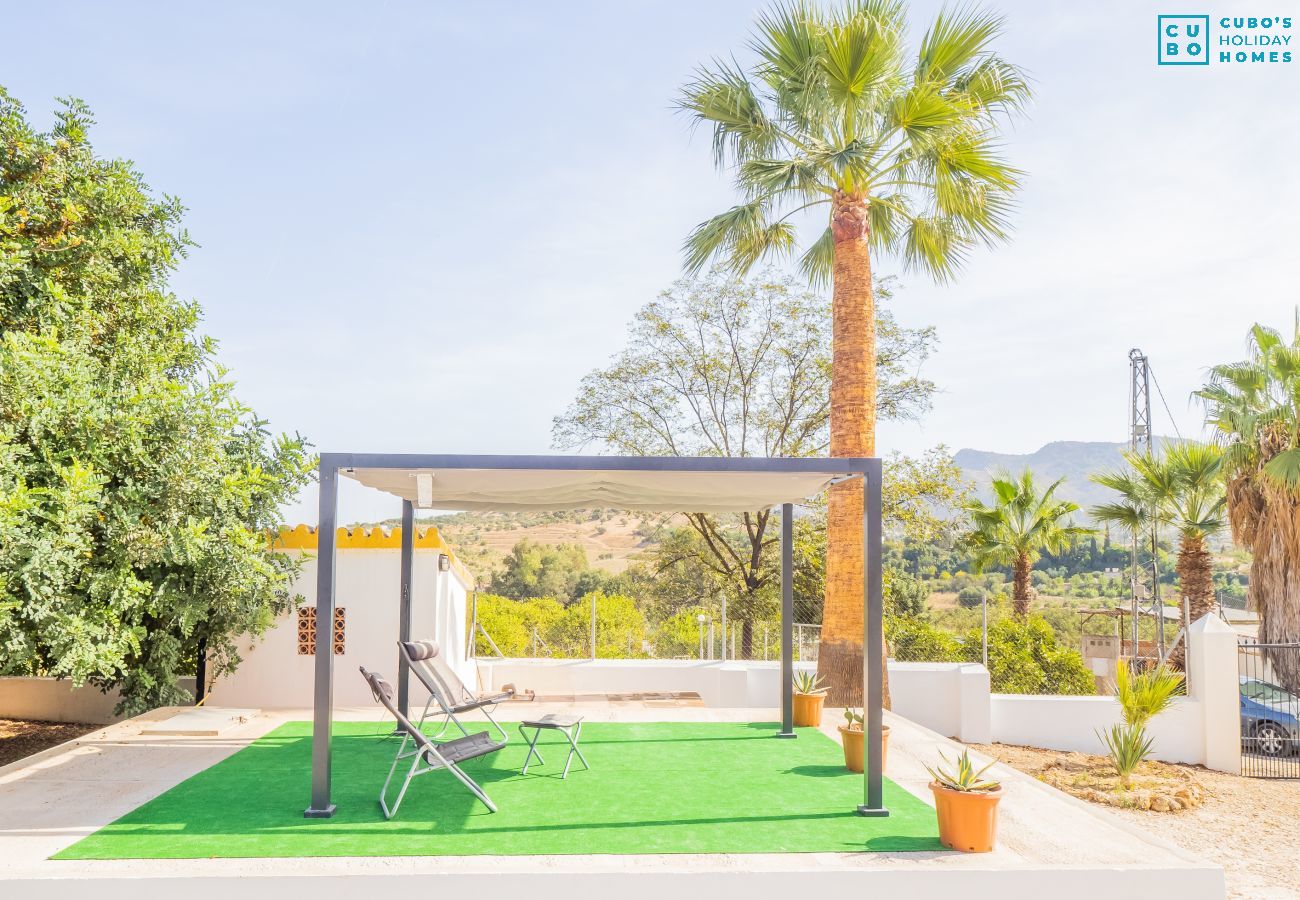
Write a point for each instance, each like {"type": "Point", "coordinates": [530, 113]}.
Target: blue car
{"type": "Point", "coordinates": [1269, 723]}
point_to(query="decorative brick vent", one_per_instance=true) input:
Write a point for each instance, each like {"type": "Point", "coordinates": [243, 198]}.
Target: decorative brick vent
{"type": "Point", "coordinates": [307, 631]}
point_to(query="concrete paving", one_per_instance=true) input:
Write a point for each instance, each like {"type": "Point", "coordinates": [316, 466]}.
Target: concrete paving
{"type": "Point", "coordinates": [1050, 844]}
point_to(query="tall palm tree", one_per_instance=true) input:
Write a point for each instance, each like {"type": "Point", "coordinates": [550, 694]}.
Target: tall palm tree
{"type": "Point", "coordinates": [1254, 409]}
{"type": "Point", "coordinates": [1181, 488]}
{"type": "Point", "coordinates": [901, 155]}
{"type": "Point", "coordinates": [1017, 527]}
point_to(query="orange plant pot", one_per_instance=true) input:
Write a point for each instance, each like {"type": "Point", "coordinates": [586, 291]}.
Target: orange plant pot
{"type": "Point", "coordinates": [854, 741]}
{"type": "Point", "coordinates": [808, 709]}
{"type": "Point", "coordinates": [968, 820]}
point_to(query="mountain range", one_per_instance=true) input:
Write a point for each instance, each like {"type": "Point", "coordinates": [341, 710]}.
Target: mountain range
{"type": "Point", "coordinates": [1072, 460]}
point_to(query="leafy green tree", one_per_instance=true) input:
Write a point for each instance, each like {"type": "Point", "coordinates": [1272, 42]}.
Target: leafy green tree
{"type": "Point", "coordinates": [718, 367]}
{"type": "Point", "coordinates": [1020, 523]}
{"type": "Point", "coordinates": [904, 594]}
{"type": "Point", "coordinates": [1025, 657]}
{"type": "Point", "coordinates": [915, 639]}
{"type": "Point", "coordinates": [136, 492]}
{"type": "Point", "coordinates": [542, 570]}
{"type": "Point", "coordinates": [679, 635]}
{"type": "Point", "coordinates": [971, 597]}
{"type": "Point", "coordinates": [519, 628]}
{"type": "Point", "coordinates": [836, 125]}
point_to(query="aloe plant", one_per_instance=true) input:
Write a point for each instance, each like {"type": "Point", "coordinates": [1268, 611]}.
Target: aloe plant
{"type": "Point", "coordinates": [964, 777]}
{"type": "Point", "coordinates": [1127, 746]}
{"type": "Point", "coordinates": [808, 683]}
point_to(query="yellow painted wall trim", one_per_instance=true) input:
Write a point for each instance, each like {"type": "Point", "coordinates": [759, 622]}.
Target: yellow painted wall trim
{"type": "Point", "coordinates": [427, 537]}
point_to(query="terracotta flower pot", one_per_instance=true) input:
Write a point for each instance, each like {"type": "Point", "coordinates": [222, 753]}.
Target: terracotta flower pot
{"type": "Point", "coordinates": [808, 709]}
{"type": "Point", "coordinates": [968, 820]}
{"type": "Point", "coordinates": [854, 741]}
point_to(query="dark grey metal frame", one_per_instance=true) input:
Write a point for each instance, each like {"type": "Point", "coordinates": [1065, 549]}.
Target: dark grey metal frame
{"type": "Point", "coordinates": [869, 469]}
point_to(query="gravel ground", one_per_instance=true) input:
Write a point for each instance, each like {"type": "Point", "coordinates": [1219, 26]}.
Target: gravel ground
{"type": "Point", "coordinates": [1250, 826]}
{"type": "Point", "coordinates": [21, 737]}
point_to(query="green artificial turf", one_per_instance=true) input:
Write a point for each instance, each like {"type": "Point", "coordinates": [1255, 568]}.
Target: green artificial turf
{"type": "Point", "coordinates": [653, 788]}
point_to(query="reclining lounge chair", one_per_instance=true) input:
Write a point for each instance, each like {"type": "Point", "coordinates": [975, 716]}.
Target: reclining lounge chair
{"type": "Point", "coordinates": [448, 755]}
{"type": "Point", "coordinates": [447, 690]}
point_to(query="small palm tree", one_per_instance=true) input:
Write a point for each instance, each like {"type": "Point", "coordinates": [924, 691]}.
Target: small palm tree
{"type": "Point", "coordinates": [1252, 407]}
{"type": "Point", "coordinates": [835, 127]}
{"type": "Point", "coordinates": [1017, 527]}
{"type": "Point", "coordinates": [1180, 488]}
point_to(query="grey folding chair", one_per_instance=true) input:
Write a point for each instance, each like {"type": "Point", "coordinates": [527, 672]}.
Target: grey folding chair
{"type": "Point", "coordinates": [425, 755]}
{"type": "Point", "coordinates": [448, 691]}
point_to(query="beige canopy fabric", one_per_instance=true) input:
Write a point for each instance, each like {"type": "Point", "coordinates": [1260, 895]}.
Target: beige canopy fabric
{"type": "Point", "coordinates": [546, 489]}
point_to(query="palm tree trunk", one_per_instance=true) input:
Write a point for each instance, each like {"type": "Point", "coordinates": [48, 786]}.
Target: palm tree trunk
{"type": "Point", "coordinates": [1020, 586]}
{"type": "Point", "coordinates": [1196, 579]}
{"type": "Point", "coordinates": [853, 433]}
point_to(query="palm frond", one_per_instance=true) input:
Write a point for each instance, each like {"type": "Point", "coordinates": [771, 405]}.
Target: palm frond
{"type": "Point", "coordinates": [1283, 470]}
{"type": "Point", "coordinates": [935, 245]}
{"type": "Point", "coordinates": [818, 260]}
{"type": "Point", "coordinates": [724, 99]}
{"type": "Point", "coordinates": [955, 42]}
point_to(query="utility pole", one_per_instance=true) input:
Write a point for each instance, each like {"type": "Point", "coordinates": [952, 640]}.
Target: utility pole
{"type": "Point", "coordinates": [1141, 440]}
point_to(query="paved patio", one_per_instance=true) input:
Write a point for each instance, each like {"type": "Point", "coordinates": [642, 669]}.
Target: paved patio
{"type": "Point", "coordinates": [1050, 844]}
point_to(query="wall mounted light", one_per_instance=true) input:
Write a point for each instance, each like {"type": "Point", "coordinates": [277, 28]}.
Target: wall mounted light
{"type": "Point", "coordinates": [444, 562]}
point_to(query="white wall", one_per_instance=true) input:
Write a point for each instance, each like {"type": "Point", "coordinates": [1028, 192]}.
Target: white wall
{"type": "Point", "coordinates": [367, 584]}
{"type": "Point", "coordinates": [719, 684]}
{"type": "Point", "coordinates": [1072, 723]}
{"type": "Point", "coordinates": [56, 700]}
{"type": "Point", "coordinates": [951, 698]}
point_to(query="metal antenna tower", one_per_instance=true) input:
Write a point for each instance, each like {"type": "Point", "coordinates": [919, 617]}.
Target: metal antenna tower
{"type": "Point", "coordinates": [1142, 440]}
{"type": "Point", "coordinates": [1139, 393]}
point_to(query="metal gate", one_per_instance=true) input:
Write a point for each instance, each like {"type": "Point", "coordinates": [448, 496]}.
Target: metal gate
{"type": "Point", "coordinates": [1270, 714]}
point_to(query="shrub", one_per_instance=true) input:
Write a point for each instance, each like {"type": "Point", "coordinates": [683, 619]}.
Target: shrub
{"type": "Point", "coordinates": [678, 636]}
{"type": "Point", "coordinates": [913, 639]}
{"type": "Point", "coordinates": [1025, 658]}
{"type": "Point", "coordinates": [971, 597]}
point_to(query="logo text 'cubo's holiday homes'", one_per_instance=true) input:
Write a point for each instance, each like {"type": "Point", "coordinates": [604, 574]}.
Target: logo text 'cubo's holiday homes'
{"type": "Point", "coordinates": [1187, 41]}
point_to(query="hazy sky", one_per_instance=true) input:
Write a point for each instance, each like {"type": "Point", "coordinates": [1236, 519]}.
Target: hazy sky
{"type": "Point", "coordinates": [421, 223]}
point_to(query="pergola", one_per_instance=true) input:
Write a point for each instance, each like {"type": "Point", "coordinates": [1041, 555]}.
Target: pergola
{"type": "Point", "coordinates": [641, 483]}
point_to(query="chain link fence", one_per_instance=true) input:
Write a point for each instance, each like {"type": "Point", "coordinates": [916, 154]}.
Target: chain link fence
{"type": "Point", "coordinates": [1023, 655]}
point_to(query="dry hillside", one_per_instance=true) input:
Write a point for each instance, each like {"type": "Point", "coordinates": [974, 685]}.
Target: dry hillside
{"type": "Point", "coordinates": [611, 538]}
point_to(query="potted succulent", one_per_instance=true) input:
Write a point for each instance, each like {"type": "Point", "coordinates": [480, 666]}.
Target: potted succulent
{"type": "Point", "coordinates": [966, 803]}
{"type": "Point", "coordinates": [853, 736]}
{"type": "Point", "coordinates": [809, 696]}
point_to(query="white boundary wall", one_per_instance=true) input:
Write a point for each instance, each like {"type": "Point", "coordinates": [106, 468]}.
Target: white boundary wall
{"type": "Point", "coordinates": [950, 698]}
{"type": "Point", "coordinates": [1204, 728]}
{"type": "Point", "coordinates": [56, 700]}
{"type": "Point", "coordinates": [1072, 723]}
{"type": "Point", "coordinates": [367, 585]}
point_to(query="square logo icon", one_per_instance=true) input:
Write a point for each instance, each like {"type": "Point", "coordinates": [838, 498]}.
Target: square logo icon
{"type": "Point", "coordinates": [1183, 40]}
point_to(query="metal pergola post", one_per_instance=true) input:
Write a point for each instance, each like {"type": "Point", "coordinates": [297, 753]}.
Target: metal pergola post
{"type": "Point", "coordinates": [873, 639]}
{"type": "Point", "coordinates": [323, 693]}
{"type": "Point", "coordinates": [787, 622]}
{"type": "Point", "coordinates": [835, 469]}
{"type": "Point", "coordinates": [404, 606]}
